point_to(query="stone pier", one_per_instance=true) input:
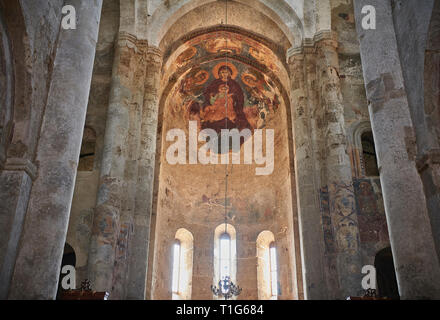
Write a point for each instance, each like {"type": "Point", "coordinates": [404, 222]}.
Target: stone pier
{"type": "Point", "coordinates": [414, 254]}
{"type": "Point", "coordinates": [38, 261]}
{"type": "Point", "coordinates": [121, 229]}
{"type": "Point", "coordinates": [114, 212]}
{"type": "Point", "coordinates": [144, 190]}
{"type": "Point", "coordinates": [338, 187]}
{"type": "Point", "coordinates": [301, 64]}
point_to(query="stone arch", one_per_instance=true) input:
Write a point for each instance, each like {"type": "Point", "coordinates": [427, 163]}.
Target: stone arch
{"type": "Point", "coordinates": [165, 14]}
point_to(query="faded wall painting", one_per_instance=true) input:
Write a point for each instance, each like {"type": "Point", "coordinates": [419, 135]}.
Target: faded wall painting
{"type": "Point", "coordinates": [231, 95]}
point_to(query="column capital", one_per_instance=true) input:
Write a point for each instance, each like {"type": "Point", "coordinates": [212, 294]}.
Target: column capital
{"type": "Point", "coordinates": [19, 164]}
{"type": "Point", "coordinates": [324, 38]}
{"type": "Point", "coordinates": [154, 55]}
{"type": "Point", "coordinates": [153, 50]}
{"type": "Point", "coordinates": [126, 39]}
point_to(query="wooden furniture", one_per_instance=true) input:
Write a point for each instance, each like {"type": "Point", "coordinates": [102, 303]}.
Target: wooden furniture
{"type": "Point", "coordinates": [85, 293]}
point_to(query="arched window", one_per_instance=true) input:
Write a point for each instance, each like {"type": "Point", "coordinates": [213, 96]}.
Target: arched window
{"type": "Point", "coordinates": [225, 253]}
{"type": "Point", "coordinates": [364, 160]}
{"type": "Point", "coordinates": [225, 256]}
{"type": "Point", "coordinates": [182, 259]}
{"type": "Point", "coordinates": [273, 271]}
{"type": "Point", "coordinates": [369, 154]}
{"type": "Point", "coordinates": [267, 267]}
{"type": "Point", "coordinates": [177, 257]}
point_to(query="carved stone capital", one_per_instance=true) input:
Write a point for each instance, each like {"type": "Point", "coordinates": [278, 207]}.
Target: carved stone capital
{"type": "Point", "coordinates": [18, 164]}
{"type": "Point", "coordinates": [129, 40]}
{"type": "Point", "coordinates": [324, 38]}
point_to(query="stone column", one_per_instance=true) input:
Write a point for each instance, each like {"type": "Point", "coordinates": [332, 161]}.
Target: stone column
{"type": "Point", "coordinates": [338, 190]}
{"type": "Point", "coordinates": [145, 179]}
{"type": "Point", "coordinates": [415, 258]}
{"type": "Point", "coordinates": [113, 217]}
{"type": "Point", "coordinates": [312, 244]}
{"type": "Point", "coordinates": [15, 187]}
{"type": "Point", "coordinates": [38, 261]}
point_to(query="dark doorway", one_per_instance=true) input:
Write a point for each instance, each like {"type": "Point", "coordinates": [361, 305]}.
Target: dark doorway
{"type": "Point", "coordinates": [69, 258]}
{"type": "Point", "coordinates": [386, 274]}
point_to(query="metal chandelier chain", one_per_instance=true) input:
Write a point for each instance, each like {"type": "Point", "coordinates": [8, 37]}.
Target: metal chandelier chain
{"type": "Point", "coordinates": [226, 123]}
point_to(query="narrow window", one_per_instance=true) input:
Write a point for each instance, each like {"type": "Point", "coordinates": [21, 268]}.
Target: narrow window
{"type": "Point", "coordinates": [176, 266]}
{"type": "Point", "coordinates": [273, 271]}
{"type": "Point", "coordinates": [267, 268]}
{"type": "Point", "coordinates": [182, 265]}
{"type": "Point", "coordinates": [225, 256]}
{"type": "Point", "coordinates": [369, 154]}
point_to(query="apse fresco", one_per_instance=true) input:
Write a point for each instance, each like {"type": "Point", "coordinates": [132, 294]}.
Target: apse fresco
{"type": "Point", "coordinates": [222, 42]}
{"type": "Point", "coordinates": [216, 45]}
{"type": "Point", "coordinates": [223, 94]}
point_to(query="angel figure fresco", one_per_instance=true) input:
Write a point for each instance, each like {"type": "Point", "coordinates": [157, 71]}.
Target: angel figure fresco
{"type": "Point", "coordinates": [264, 57]}
{"type": "Point", "coordinates": [191, 92]}
{"type": "Point", "coordinates": [223, 44]}
{"type": "Point", "coordinates": [261, 99]}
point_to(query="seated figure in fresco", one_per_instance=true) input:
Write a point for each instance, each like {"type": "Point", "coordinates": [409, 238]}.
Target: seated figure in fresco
{"type": "Point", "coordinates": [221, 106]}
{"type": "Point", "coordinates": [213, 111]}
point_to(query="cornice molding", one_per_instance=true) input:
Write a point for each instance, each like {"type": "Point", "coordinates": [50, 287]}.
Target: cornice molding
{"type": "Point", "coordinates": [18, 164]}
{"type": "Point", "coordinates": [310, 45]}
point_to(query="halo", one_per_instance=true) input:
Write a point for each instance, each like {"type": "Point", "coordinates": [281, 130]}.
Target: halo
{"type": "Point", "coordinates": [245, 75]}
{"type": "Point", "coordinates": [221, 64]}
{"type": "Point", "coordinates": [205, 78]}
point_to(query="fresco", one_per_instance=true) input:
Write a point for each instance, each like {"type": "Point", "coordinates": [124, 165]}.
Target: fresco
{"type": "Point", "coordinates": [222, 94]}
{"type": "Point", "coordinates": [224, 42]}
{"type": "Point", "coordinates": [372, 220]}
{"type": "Point", "coordinates": [341, 232]}
{"type": "Point", "coordinates": [329, 239]}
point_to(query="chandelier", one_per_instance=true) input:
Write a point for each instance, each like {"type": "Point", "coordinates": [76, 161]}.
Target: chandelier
{"type": "Point", "coordinates": [226, 289]}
